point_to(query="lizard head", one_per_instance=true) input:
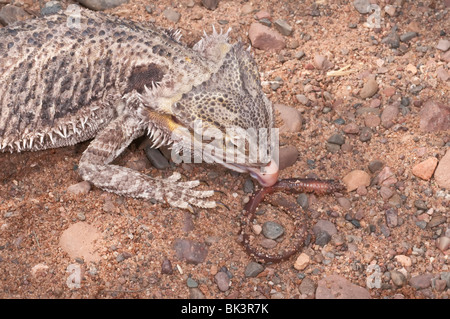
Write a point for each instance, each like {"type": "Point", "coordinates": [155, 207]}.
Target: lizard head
{"type": "Point", "coordinates": [228, 119]}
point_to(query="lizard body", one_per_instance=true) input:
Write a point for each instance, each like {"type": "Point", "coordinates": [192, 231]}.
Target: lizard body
{"type": "Point", "coordinates": [78, 75]}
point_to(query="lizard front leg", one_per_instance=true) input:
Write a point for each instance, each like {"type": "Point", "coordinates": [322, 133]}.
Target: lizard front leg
{"type": "Point", "coordinates": [95, 167]}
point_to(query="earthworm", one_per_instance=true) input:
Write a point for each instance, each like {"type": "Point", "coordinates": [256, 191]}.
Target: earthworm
{"type": "Point", "coordinates": [295, 185]}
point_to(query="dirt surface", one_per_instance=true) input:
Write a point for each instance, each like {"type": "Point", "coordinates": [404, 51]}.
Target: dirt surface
{"type": "Point", "coordinates": [135, 248]}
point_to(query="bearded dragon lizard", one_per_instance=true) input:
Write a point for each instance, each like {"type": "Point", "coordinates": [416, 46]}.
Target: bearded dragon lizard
{"type": "Point", "coordinates": [80, 75]}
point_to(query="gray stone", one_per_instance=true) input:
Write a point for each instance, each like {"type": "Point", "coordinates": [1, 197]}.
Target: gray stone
{"type": "Point", "coordinates": [248, 186]}
{"type": "Point", "coordinates": [272, 230]}
{"type": "Point", "coordinates": [322, 238]}
{"type": "Point", "coordinates": [446, 276]}
{"type": "Point", "coordinates": [302, 200]}
{"type": "Point", "coordinates": [333, 148]}
{"type": "Point", "coordinates": [210, 4]}
{"type": "Point", "coordinates": [398, 278]}
{"type": "Point", "coordinates": [408, 36]}
{"type": "Point", "coordinates": [283, 27]}
{"type": "Point", "coordinates": [392, 39]}
{"type": "Point", "coordinates": [420, 204]}
{"type": "Point", "coordinates": [375, 166]}
{"type": "Point", "coordinates": [337, 139]}
{"type": "Point", "coordinates": [253, 269]}
{"type": "Point", "coordinates": [436, 221]}
{"type": "Point", "coordinates": [191, 283]}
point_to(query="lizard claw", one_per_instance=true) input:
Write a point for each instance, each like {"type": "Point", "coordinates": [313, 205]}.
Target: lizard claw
{"type": "Point", "coordinates": [222, 205]}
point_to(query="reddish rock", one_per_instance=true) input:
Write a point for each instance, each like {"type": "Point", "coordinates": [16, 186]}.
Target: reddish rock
{"type": "Point", "coordinates": [321, 62]}
{"type": "Point", "coordinates": [356, 178]}
{"type": "Point", "coordinates": [337, 287]}
{"type": "Point", "coordinates": [264, 38]}
{"type": "Point", "coordinates": [425, 169]}
{"type": "Point", "coordinates": [389, 115]}
{"type": "Point", "coordinates": [190, 251]}
{"type": "Point", "coordinates": [446, 56]}
{"type": "Point", "coordinates": [372, 120]}
{"type": "Point", "coordinates": [442, 173]}
{"type": "Point", "coordinates": [434, 116]}
{"type": "Point", "coordinates": [263, 14]}
{"type": "Point", "coordinates": [421, 281]}
{"type": "Point", "coordinates": [389, 91]}
{"type": "Point", "coordinates": [386, 177]}
{"type": "Point", "coordinates": [369, 89]}
{"type": "Point", "coordinates": [443, 74]}
{"type": "Point", "coordinates": [81, 188]}
{"type": "Point", "coordinates": [291, 118]}
{"type": "Point", "coordinates": [80, 240]}
{"type": "Point", "coordinates": [288, 156]}
{"type": "Point", "coordinates": [351, 128]}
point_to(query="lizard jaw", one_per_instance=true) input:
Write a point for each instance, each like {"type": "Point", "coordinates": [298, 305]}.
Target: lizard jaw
{"type": "Point", "coordinates": [265, 175]}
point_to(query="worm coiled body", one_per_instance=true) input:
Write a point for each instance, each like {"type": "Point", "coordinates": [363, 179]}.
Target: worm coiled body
{"type": "Point", "coordinates": [294, 185]}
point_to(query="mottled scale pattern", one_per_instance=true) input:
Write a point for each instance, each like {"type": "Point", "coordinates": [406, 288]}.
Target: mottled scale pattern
{"type": "Point", "coordinates": [78, 74]}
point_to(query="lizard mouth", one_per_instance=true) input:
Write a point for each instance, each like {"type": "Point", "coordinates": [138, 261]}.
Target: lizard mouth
{"type": "Point", "coordinates": [265, 175]}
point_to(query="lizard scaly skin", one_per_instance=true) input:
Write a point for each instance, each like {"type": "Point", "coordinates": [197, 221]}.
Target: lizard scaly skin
{"type": "Point", "coordinates": [78, 75]}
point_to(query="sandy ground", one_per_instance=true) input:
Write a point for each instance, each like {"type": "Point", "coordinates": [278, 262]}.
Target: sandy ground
{"type": "Point", "coordinates": [134, 237]}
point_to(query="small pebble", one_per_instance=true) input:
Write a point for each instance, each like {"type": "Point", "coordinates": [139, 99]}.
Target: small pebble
{"type": "Point", "coordinates": [302, 200]}
{"type": "Point", "coordinates": [222, 280]}
{"type": "Point", "coordinates": [302, 261]}
{"type": "Point", "coordinates": [268, 243]}
{"type": "Point", "coordinates": [375, 166]}
{"type": "Point", "coordinates": [398, 278]}
{"type": "Point", "coordinates": [248, 186]}
{"type": "Point", "coordinates": [283, 27]}
{"type": "Point", "coordinates": [272, 230]}
{"type": "Point", "coordinates": [191, 283]}
{"type": "Point", "coordinates": [172, 15]}
{"type": "Point", "coordinates": [253, 269]}
{"type": "Point", "coordinates": [366, 134]}
{"type": "Point", "coordinates": [337, 139]}
{"type": "Point", "coordinates": [356, 178]}
{"type": "Point", "coordinates": [443, 243]}
{"type": "Point", "coordinates": [166, 267]}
